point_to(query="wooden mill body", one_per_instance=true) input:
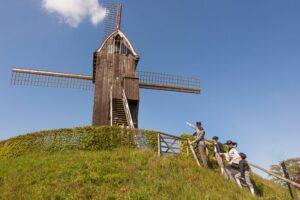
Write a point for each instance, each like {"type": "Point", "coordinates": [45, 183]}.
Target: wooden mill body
{"type": "Point", "coordinates": [114, 67]}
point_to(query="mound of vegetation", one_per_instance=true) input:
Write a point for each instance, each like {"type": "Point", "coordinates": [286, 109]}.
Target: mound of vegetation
{"type": "Point", "coordinates": [83, 138]}
{"type": "Point", "coordinates": [112, 173]}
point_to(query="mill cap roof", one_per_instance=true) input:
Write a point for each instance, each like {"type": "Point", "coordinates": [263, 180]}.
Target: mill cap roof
{"type": "Point", "coordinates": [122, 35]}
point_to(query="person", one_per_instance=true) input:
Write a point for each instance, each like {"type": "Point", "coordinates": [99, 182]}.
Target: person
{"type": "Point", "coordinates": [200, 142]}
{"type": "Point", "coordinates": [233, 159]}
{"type": "Point", "coordinates": [218, 150]}
{"type": "Point", "coordinates": [243, 177]}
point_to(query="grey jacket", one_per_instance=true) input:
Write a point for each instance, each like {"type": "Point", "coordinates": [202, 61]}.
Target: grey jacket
{"type": "Point", "coordinates": [199, 135]}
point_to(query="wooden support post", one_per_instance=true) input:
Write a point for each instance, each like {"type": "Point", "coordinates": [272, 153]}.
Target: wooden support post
{"type": "Point", "coordinates": [292, 190]}
{"type": "Point", "coordinates": [158, 145]}
{"type": "Point", "coordinates": [194, 154]}
{"type": "Point", "coordinates": [187, 148]}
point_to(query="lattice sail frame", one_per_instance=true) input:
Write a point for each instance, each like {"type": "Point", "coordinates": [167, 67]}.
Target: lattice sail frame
{"type": "Point", "coordinates": [162, 81]}
{"type": "Point", "coordinates": [112, 20]}
{"type": "Point", "coordinates": [28, 77]}
{"type": "Point", "coordinates": [148, 80]}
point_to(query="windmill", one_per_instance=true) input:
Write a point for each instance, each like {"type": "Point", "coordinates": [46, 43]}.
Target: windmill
{"type": "Point", "coordinates": [114, 79]}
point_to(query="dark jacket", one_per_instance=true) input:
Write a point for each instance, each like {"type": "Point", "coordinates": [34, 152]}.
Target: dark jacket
{"type": "Point", "coordinates": [218, 148]}
{"type": "Point", "coordinates": [243, 166]}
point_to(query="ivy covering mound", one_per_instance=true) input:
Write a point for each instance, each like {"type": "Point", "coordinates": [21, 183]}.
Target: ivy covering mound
{"type": "Point", "coordinates": [110, 171]}
{"type": "Point", "coordinates": [84, 138]}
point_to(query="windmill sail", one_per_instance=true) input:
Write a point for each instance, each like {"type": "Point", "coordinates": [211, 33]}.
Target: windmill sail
{"type": "Point", "coordinates": [161, 81]}
{"type": "Point", "coordinates": [29, 77]}
{"type": "Point", "coordinates": [147, 80]}
{"type": "Point", "coordinates": [112, 21]}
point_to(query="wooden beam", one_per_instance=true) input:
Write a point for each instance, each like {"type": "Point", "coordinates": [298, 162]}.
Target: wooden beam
{"type": "Point", "coordinates": [171, 136]}
{"type": "Point", "coordinates": [292, 190]}
{"type": "Point", "coordinates": [169, 88]}
{"type": "Point", "coordinates": [275, 175]}
{"type": "Point", "coordinates": [158, 145]}
{"type": "Point", "coordinates": [168, 146]}
{"type": "Point", "coordinates": [48, 73]}
{"type": "Point", "coordinates": [193, 152]}
{"type": "Point", "coordinates": [187, 148]}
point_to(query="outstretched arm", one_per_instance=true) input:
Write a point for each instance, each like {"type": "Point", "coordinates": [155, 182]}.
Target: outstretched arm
{"type": "Point", "coordinates": [194, 127]}
{"type": "Point", "coordinates": [191, 125]}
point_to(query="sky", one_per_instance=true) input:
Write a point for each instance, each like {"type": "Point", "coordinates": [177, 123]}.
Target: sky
{"type": "Point", "coordinates": [245, 53]}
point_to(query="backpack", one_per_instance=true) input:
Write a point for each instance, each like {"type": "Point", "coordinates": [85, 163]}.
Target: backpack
{"type": "Point", "coordinates": [235, 166]}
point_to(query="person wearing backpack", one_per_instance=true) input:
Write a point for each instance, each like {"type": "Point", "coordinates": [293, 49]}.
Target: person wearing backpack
{"type": "Point", "coordinates": [218, 150]}
{"type": "Point", "coordinates": [243, 177]}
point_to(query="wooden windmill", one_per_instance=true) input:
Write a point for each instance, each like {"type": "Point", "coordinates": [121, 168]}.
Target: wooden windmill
{"type": "Point", "coordinates": [115, 81]}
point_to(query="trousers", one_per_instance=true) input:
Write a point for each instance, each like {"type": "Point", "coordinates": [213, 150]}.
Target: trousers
{"type": "Point", "coordinates": [201, 149]}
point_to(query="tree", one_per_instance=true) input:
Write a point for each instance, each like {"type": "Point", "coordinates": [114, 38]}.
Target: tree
{"type": "Point", "coordinates": [293, 168]}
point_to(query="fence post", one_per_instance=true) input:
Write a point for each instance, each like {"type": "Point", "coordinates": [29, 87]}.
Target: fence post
{"type": "Point", "coordinates": [158, 145]}
{"type": "Point", "coordinates": [291, 187]}
{"type": "Point", "coordinates": [187, 148]}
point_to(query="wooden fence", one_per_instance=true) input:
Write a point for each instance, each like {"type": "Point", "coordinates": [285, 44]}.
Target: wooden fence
{"type": "Point", "coordinates": [170, 144]}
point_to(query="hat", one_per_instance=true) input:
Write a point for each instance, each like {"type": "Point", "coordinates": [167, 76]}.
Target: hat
{"type": "Point", "coordinates": [215, 138]}
{"type": "Point", "coordinates": [243, 156]}
{"type": "Point", "coordinates": [198, 123]}
{"type": "Point", "coordinates": [228, 142]}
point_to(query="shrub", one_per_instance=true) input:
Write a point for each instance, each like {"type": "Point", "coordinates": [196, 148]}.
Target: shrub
{"type": "Point", "coordinates": [84, 138]}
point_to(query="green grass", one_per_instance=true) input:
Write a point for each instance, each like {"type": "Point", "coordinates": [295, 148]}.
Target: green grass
{"type": "Point", "coordinates": [118, 174]}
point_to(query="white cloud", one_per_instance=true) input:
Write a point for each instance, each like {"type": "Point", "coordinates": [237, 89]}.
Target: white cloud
{"type": "Point", "coordinates": [73, 12]}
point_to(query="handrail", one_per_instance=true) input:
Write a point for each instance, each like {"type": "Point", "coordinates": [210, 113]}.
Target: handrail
{"type": "Point", "coordinates": [127, 110]}
{"type": "Point", "coordinates": [111, 106]}
{"type": "Point", "coordinates": [166, 134]}
{"type": "Point", "coordinates": [173, 136]}
{"type": "Point", "coordinates": [275, 175]}
{"type": "Point", "coordinates": [193, 152]}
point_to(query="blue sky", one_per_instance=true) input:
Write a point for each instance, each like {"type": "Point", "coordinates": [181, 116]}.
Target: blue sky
{"type": "Point", "coordinates": [246, 54]}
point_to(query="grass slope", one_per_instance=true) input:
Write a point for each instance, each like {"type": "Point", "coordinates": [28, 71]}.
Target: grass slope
{"type": "Point", "coordinates": [118, 174]}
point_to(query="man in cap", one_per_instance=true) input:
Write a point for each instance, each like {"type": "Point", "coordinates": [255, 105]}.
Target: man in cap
{"type": "Point", "coordinates": [200, 142]}
{"type": "Point", "coordinates": [218, 150]}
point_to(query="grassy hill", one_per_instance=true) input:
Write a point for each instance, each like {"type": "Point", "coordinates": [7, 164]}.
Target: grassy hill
{"type": "Point", "coordinates": [111, 173]}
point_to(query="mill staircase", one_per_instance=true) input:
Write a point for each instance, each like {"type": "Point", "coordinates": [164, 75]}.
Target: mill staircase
{"type": "Point", "coordinates": [119, 114]}
{"type": "Point", "coordinates": [120, 111]}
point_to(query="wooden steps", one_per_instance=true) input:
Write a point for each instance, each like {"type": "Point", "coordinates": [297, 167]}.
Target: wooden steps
{"type": "Point", "coordinates": [119, 115]}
